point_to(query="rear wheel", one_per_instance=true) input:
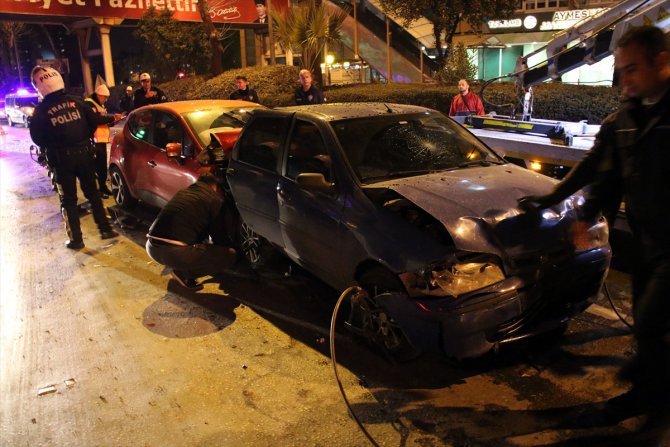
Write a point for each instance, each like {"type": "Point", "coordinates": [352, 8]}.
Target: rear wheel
{"type": "Point", "coordinates": [369, 317]}
{"type": "Point", "coordinates": [120, 190]}
{"type": "Point", "coordinates": [9, 121]}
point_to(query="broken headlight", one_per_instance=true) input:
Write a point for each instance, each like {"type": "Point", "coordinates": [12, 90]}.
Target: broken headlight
{"type": "Point", "coordinates": [454, 280]}
{"type": "Point", "coordinates": [588, 236]}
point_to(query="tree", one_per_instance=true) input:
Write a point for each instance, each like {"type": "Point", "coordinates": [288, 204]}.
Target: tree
{"type": "Point", "coordinates": [174, 44]}
{"type": "Point", "coordinates": [308, 29]}
{"type": "Point", "coordinates": [445, 15]}
{"type": "Point", "coordinates": [11, 33]}
{"type": "Point", "coordinates": [459, 65]}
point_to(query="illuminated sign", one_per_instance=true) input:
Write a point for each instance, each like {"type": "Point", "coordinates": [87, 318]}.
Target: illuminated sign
{"type": "Point", "coordinates": [511, 23]}
{"type": "Point", "coordinates": [566, 19]}
{"type": "Point", "coordinates": [229, 11]}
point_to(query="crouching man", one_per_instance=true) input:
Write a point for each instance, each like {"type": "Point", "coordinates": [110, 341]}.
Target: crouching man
{"type": "Point", "coordinates": [180, 236]}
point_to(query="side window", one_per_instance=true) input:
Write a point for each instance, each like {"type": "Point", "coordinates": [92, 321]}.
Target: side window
{"type": "Point", "coordinates": [307, 151]}
{"type": "Point", "coordinates": [140, 125]}
{"type": "Point", "coordinates": [167, 129]}
{"type": "Point", "coordinates": [261, 142]}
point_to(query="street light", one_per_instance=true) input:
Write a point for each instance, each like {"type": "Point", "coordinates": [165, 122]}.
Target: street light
{"type": "Point", "coordinates": [329, 61]}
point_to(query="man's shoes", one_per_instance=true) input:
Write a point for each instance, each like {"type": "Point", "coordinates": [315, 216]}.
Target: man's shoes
{"type": "Point", "coordinates": [189, 283]}
{"type": "Point", "coordinates": [74, 244]}
{"type": "Point", "coordinates": [108, 234]}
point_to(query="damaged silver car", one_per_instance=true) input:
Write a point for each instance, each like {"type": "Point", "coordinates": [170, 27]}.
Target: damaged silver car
{"type": "Point", "coordinates": [408, 204]}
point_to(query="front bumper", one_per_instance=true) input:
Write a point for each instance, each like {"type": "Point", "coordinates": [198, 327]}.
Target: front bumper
{"type": "Point", "coordinates": [512, 309]}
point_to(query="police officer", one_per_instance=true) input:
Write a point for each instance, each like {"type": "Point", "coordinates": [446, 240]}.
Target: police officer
{"type": "Point", "coordinates": [63, 125]}
{"type": "Point", "coordinates": [101, 136]}
{"type": "Point", "coordinates": [147, 93]}
{"type": "Point", "coordinates": [244, 92]}
{"type": "Point", "coordinates": [308, 93]}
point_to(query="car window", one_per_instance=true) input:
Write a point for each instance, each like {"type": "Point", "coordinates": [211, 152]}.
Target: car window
{"type": "Point", "coordinates": [393, 146]}
{"type": "Point", "coordinates": [307, 152]}
{"type": "Point", "coordinates": [203, 122]}
{"type": "Point", "coordinates": [260, 143]}
{"type": "Point", "coordinates": [167, 129]}
{"type": "Point", "coordinates": [139, 125]}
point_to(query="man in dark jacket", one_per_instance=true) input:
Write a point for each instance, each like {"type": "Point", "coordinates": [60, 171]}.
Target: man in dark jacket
{"type": "Point", "coordinates": [147, 94]}
{"type": "Point", "coordinates": [126, 103]}
{"type": "Point", "coordinates": [64, 125]}
{"type": "Point", "coordinates": [179, 237]}
{"type": "Point", "coordinates": [308, 93]}
{"type": "Point", "coordinates": [244, 92]}
{"type": "Point", "coordinates": [635, 165]}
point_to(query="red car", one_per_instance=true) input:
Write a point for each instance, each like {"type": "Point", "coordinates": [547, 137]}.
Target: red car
{"type": "Point", "coordinates": [155, 154]}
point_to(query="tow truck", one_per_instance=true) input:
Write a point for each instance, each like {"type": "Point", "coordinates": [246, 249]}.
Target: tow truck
{"type": "Point", "coordinates": [553, 147]}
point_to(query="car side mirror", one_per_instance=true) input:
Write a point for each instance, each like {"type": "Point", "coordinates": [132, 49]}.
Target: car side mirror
{"type": "Point", "coordinates": [173, 150]}
{"type": "Point", "coordinates": [312, 181]}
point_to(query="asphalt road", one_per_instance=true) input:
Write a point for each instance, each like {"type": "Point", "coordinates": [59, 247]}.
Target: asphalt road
{"type": "Point", "coordinates": [100, 348]}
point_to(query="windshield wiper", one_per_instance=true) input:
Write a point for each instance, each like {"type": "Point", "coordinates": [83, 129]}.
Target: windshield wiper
{"type": "Point", "coordinates": [468, 163]}
{"type": "Point", "coordinates": [396, 174]}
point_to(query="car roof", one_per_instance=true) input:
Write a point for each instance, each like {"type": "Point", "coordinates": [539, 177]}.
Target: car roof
{"type": "Point", "coordinates": [346, 110]}
{"type": "Point", "coordinates": [199, 104]}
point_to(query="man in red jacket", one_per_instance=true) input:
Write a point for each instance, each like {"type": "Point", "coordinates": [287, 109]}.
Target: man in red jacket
{"type": "Point", "coordinates": [466, 102]}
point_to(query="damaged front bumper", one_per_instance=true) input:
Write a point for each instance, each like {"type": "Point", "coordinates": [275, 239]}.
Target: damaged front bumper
{"type": "Point", "coordinates": [511, 309]}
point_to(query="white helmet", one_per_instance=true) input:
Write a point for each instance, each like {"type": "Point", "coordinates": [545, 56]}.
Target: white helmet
{"type": "Point", "coordinates": [46, 80]}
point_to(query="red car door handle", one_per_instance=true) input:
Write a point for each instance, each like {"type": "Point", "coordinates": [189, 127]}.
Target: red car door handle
{"type": "Point", "coordinates": [151, 163]}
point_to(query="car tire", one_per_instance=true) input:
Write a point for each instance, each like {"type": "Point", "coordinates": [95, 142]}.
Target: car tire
{"type": "Point", "coordinates": [9, 121]}
{"type": "Point", "coordinates": [378, 326]}
{"type": "Point", "coordinates": [258, 252]}
{"type": "Point", "coordinates": [120, 190]}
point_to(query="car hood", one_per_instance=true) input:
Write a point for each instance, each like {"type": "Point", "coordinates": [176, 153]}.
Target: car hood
{"type": "Point", "coordinates": [478, 207]}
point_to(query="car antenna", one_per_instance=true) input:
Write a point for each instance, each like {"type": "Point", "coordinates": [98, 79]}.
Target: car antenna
{"type": "Point", "coordinates": [388, 109]}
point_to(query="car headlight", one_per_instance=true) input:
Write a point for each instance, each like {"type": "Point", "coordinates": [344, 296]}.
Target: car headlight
{"type": "Point", "coordinates": [454, 280]}
{"type": "Point", "coordinates": [467, 277]}
{"type": "Point", "coordinates": [587, 236]}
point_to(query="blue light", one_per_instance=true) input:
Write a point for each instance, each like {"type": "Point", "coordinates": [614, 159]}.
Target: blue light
{"type": "Point", "coordinates": [22, 91]}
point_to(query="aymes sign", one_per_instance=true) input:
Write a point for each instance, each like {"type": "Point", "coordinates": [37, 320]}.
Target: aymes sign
{"type": "Point", "coordinates": [566, 19]}
{"type": "Point", "coordinates": [543, 21]}
{"type": "Point", "coordinates": [239, 11]}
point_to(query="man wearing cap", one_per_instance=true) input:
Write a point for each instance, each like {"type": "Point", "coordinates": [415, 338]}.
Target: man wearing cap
{"type": "Point", "coordinates": [63, 125]}
{"type": "Point", "coordinates": [101, 136]}
{"type": "Point", "coordinates": [147, 94]}
{"type": "Point", "coordinates": [126, 103]}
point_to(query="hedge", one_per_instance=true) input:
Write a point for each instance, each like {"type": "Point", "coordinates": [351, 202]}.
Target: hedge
{"type": "Point", "coordinates": [275, 86]}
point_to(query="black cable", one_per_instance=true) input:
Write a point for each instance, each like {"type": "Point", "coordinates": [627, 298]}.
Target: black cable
{"type": "Point", "coordinates": [623, 320]}
{"type": "Point", "coordinates": [350, 290]}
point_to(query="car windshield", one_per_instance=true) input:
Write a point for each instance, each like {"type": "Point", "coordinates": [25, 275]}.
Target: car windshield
{"type": "Point", "coordinates": [393, 146]}
{"type": "Point", "coordinates": [207, 121]}
{"type": "Point", "coordinates": [26, 101]}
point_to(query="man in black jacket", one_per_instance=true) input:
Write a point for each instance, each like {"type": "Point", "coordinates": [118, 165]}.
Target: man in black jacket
{"type": "Point", "coordinates": [147, 94]}
{"type": "Point", "coordinates": [244, 92]}
{"type": "Point", "coordinates": [64, 125]}
{"type": "Point", "coordinates": [308, 93]}
{"type": "Point", "coordinates": [634, 165]}
{"type": "Point", "coordinates": [179, 237]}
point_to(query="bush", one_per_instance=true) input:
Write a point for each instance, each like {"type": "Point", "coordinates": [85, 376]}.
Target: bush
{"type": "Point", "coordinates": [275, 86]}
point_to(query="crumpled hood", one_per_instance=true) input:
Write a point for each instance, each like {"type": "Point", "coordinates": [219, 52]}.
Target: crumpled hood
{"type": "Point", "coordinates": [478, 205]}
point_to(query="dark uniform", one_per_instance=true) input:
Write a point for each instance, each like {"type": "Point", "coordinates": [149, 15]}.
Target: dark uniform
{"type": "Point", "coordinates": [63, 125]}
{"type": "Point", "coordinates": [140, 99]}
{"type": "Point", "coordinates": [312, 96]}
{"type": "Point", "coordinates": [248, 94]}
{"type": "Point", "coordinates": [126, 104]}
{"type": "Point", "coordinates": [178, 237]}
{"type": "Point", "coordinates": [100, 154]}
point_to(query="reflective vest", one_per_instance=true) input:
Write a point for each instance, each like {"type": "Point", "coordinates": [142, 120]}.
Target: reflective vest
{"type": "Point", "coordinates": [101, 134]}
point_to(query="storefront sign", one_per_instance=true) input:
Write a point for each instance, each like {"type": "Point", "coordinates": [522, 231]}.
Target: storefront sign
{"type": "Point", "coordinates": [543, 21]}
{"type": "Point", "coordinates": [237, 11]}
{"type": "Point", "coordinates": [566, 19]}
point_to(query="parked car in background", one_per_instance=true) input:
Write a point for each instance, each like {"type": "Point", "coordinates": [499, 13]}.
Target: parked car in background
{"type": "Point", "coordinates": [155, 155]}
{"type": "Point", "coordinates": [19, 107]}
{"type": "Point", "coordinates": [416, 210]}
{"type": "Point", "coordinates": [3, 115]}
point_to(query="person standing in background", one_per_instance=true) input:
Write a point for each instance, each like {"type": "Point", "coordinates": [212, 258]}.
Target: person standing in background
{"type": "Point", "coordinates": [147, 94]}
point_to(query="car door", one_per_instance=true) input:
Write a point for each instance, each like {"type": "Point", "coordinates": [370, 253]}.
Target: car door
{"type": "Point", "coordinates": [138, 151]}
{"type": "Point", "coordinates": [166, 175]}
{"type": "Point", "coordinates": [312, 231]}
{"type": "Point", "coordinates": [253, 173]}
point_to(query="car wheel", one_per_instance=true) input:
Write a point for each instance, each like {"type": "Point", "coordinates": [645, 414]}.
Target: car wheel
{"type": "Point", "coordinates": [9, 121]}
{"type": "Point", "coordinates": [120, 190]}
{"type": "Point", "coordinates": [258, 252]}
{"type": "Point", "coordinates": [373, 320]}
